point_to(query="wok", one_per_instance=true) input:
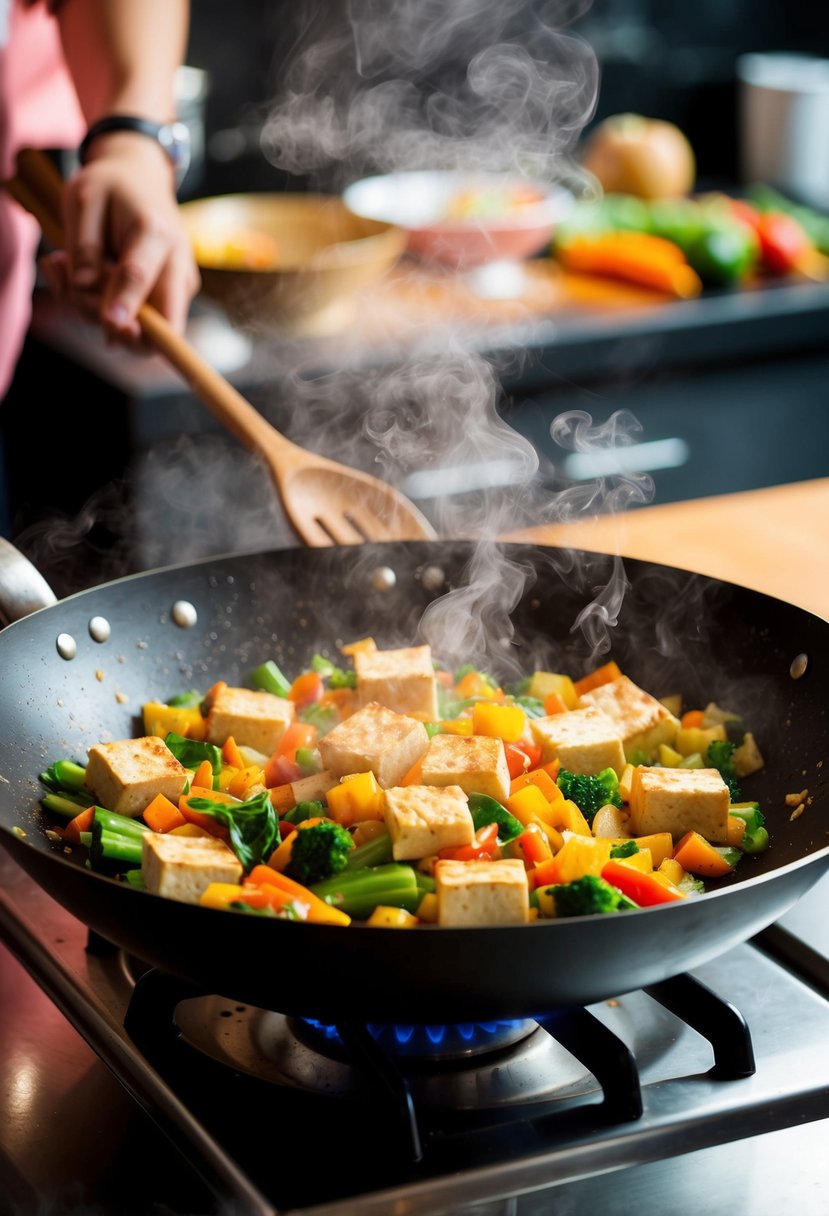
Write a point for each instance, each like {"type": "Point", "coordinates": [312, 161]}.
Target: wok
{"type": "Point", "coordinates": [676, 632]}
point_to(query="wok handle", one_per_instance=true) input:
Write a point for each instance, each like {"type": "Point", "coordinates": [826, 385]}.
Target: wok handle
{"type": "Point", "coordinates": [23, 589]}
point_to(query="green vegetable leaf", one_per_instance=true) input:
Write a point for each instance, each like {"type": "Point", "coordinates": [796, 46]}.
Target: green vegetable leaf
{"type": "Point", "coordinates": [486, 810]}
{"type": "Point", "coordinates": [253, 826]}
{"type": "Point", "coordinates": [191, 752]}
{"type": "Point", "coordinates": [185, 700]}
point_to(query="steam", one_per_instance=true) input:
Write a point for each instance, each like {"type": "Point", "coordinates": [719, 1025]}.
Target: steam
{"type": "Point", "coordinates": [379, 85]}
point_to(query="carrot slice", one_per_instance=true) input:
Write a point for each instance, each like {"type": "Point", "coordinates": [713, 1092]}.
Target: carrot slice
{"type": "Point", "coordinates": [162, 815]}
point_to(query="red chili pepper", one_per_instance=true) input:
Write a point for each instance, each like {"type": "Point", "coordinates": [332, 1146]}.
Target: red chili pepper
{"type": "Point", "coordinates": [643, 889]}
{"type": "Point", "coordinates": [783, 241]}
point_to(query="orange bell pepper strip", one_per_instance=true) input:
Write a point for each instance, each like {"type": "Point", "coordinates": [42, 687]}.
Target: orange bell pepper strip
{"type": "Point", "coordinates": [231, 754]}
{"type": "Point", "coordinates": [532, 846]}
{"type": "Point", "coordinates": [82, 822]}
{"type": "Point", "coordinates": [698, 856]}
{"type": "Point", "coordinates": [307, 689]}
{"type": "Point", "coordinates": [594, 679]}
{"type": "Point", "coordinates": [554, 704]}
{"type": "Point", "coordinates": [162, 815]}
{"type": "Point", "coordinates": [318, 910]}
{"type": "Point", "coordinates": [646, 890]}
{"type": "Point", "coordinates": [204, 775]}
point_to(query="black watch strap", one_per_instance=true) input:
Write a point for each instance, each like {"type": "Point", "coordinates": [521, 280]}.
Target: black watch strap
{"type": "Point", "coordinates": [173, 137]}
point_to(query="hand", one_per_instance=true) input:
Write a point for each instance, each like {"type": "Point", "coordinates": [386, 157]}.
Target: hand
{"type": "Point", "coordinates": [124, 240]}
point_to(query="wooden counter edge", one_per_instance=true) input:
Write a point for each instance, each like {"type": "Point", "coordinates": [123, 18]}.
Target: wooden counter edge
{"type": "Point", "coordinates": [774, 540]}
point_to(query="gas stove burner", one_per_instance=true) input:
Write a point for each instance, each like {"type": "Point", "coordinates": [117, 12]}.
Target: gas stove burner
{"type": "Point", "coordinates": [415, 1042]}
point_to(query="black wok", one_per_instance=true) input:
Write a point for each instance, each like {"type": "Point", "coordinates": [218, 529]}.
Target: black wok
{"type": "Point", "coordinates": [676, 632]}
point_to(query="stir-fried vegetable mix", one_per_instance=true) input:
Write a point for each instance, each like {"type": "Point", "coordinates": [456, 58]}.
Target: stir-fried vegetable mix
{"type": "Point", "coordinates": [386, 789]}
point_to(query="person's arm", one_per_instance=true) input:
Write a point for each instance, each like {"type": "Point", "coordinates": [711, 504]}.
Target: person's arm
{"type": "Point", "coordinates": [124, 240]}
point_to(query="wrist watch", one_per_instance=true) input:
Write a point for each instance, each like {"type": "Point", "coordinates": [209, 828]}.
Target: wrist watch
{"type": "Point", "coordinates": [174, 138]}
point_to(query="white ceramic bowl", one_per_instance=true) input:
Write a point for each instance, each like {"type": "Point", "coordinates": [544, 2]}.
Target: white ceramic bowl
{"type": "Point", "coordinates": [460, 218]}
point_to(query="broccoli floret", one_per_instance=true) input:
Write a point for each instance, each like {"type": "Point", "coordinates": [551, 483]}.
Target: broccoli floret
{"type": "Point", "coordinates": [627, 849]}
{"type": "Point", "coordinates": [720, 755]}
{"type": "Point", "coordinates": [318, 852]}
{"type": "Point", "coordinates": [755, 838]}
{"type": "Point", "coordinates": [590, 793]}
{"type": "Point", "coordinates": [587, 895]}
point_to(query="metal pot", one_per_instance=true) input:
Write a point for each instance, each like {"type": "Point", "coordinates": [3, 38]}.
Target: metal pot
{"type": "Point", "coordinates": [78, 671]}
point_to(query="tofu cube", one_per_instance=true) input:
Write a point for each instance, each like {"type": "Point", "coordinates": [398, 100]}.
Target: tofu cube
{"type": "Point", "coordinates": [477, 763]}
{"type": "Point", "coordinates": [182, 867]}
{"type": "Point", "coordinates": [482, 892]}
{"type": "Point", "coordinates": [641, 720]}
{"type": "Point", "coordinates": [422, 819]}
{"type": "Point", "coordinates": [374, 739]}
{"type": "Point", "coordinates": [254, 718]}
{"type": "Point", "coordinates": [403, 680]}
{"type": "Point", "coordinates": [679, 800]}
{"type": "Point", "coordinates": [125, 776]}
{"type": "Point", "coordinates": [584, 741]}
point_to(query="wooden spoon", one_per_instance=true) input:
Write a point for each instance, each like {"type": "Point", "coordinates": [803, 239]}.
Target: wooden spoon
{"type": "Point", "coordinates": [326, 502]}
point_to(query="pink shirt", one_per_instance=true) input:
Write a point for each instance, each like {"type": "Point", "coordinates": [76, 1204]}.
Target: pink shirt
{"type": "Point", "coordinates": [38, 108]}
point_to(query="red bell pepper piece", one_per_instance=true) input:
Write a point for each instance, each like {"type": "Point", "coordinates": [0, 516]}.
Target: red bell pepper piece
{"type": "Point", "coordinates": [521, 757]}
{"type": "Point", "coordinates": [482, 848]}
{"type": "Point", "coordinates": [644, 889]}
{"type": "Point", "coordinates": [783, 241]}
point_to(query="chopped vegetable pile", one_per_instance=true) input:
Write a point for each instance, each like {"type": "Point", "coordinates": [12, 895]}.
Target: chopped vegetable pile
{"type": "Point", "coordinates": [386, 789]}
{"type": "Point", "coordinates": [680, 246]}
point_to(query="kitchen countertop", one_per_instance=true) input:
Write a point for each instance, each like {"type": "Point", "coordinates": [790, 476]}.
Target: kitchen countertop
{"type": "Point", "coordinates": [773, 540]}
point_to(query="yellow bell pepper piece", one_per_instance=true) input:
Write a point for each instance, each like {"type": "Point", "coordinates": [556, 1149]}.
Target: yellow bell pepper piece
{"type": "Point", "coordinates": [427, 909]}
{"type": "Point", "coordinates": [160, 719]}
{"type": "Point", "coordinates": [357, 797]}
{"type": "Point", "coordinates": [543, 683]}
{"type": "Point", "coordinates": [668, 756]}
{"type": "Point", "coordinates": [567, 817]}
{"type": "Point", "coordinates": [643, 860]}
{"type": "Point", "coordinates": [456, 726]}
{"type": "Point", "coordinates": [505, 722]}
{"type": "Point", "coordinates": [691, 739]}
{"type": "Point", "coordinates": [220, 894]}
{"type": "Point", "coordinates": [527, 801]}
{"type": "Point", "coordinates": [581, 855]}
{"type": "Point", "coordinates": [391, 918]}
{"type": "Point", "coordinates": [363, 646]}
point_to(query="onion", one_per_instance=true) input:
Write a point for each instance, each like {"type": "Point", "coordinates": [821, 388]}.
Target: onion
{"type": "Point", "coordinates": [647, 157]}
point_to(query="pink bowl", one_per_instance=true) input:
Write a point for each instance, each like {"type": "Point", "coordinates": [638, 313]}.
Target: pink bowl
{"type": "Point", "coordinates": [462, 219]}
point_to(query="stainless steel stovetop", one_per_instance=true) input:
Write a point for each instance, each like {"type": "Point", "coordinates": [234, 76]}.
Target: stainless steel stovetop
{"type": "Point", "coordinates": [247, 1097]}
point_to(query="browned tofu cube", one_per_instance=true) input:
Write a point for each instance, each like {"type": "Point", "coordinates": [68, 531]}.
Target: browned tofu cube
{"type": "Point", "coordinates": [403, 680]}
{"type": "Point", "coordinates": [423, 819]}
{"type": "Point", "coordinates": [641, 721]}
{"type": "Point", "coordinates": [183, 867]}
{"type": "Point", "coordinates": [253, 717]}
{"type": "Point", "coordinates": [583, 740]}
{"type": "Point", "coordinates": [374, 739]}
{"type": "Point", "coordinates": [477, 763]}
{"type": "Point", "coordinates": [482, 892]}
{"type": "Point", "coordinates": [679, 800]}
{"type": "Point", "coordinates": [126, 776]}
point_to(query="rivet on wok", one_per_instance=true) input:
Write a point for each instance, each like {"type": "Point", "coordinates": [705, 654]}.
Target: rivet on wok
{"type": "Point", "coordinates": [99, 629]}
{"type": "Point", "coordinates": [184, 614]}
{"type": "Point", "coordinates": [383, 578]}
{"type": "Point", "coordinates": [799, 665]}
{"type": "Point", "coordinates": [433, 578]}
{"type": "Point", "coordinates": [67, 646]}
